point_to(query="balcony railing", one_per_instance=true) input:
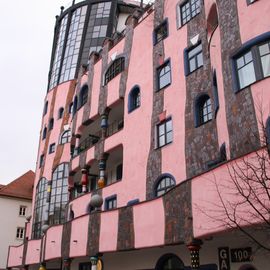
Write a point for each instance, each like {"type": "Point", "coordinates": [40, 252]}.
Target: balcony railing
{"type": "Point", "coordinates": [115, 127]}
{"type": "Point", "coordinates": [86, 144]}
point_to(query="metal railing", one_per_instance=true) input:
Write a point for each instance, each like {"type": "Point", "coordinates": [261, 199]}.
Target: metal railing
{"type": "Point", "coordinates": [115, 127]}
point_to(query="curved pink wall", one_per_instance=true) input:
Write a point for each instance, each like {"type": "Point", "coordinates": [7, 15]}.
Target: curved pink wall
{"type": "Point", "coordinates": [53, 242]}
{"type": "Point", "coordinates": [33, 252]}
{"type": "Point", "coordinates": [78, 239]}
{"type": "Point", "coordinates": [15, 256]}
{"type": "Point", "coordinates": [108, 231]}
{"type": "Point", "coordinates": [80, 205]}
{"type": "Point", "coordinates": [149, 223]}
{"type": "Point", "coordinates": [253, 19]}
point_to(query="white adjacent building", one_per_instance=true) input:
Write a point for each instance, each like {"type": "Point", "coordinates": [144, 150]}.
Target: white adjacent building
{"type": "Point", "coordinates": [15, 206]}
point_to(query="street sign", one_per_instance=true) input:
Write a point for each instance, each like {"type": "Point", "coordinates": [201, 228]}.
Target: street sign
{"type": "Point", "coordinates": [223, 258]}
{"type": "Point", "coordinates": [241, 254]}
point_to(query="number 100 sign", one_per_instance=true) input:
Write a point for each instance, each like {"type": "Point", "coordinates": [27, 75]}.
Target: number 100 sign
{"type": "Point", "coordinates": [241, 254]}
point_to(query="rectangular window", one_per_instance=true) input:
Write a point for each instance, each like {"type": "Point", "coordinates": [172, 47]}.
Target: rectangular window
{"type": "Point", "coordinates": [164, 75]}
{"type": "Point", "coordinates": [265, 58]}
{"type": "Point", "coordinates": [111, 203]}
{"type": "Point", "coordinates": [245, 69]}
{"type": "Point", "coordinates": [161, 32]}
{"type": "Point", "coordinates": [189, 10]}
{"type": "Point", "coordinates": [164, 133]}
{"type": "Point", "coordinates": [20, 233]}
{"type": "Point", "coordinates": [52, 148]}
{"type": "Point", "coordinates": [252, 65]}
{"type": "Point", "coordinates": [195, 58]}
{"type": "Point", "coordinates": [22, 211]}
{"type": "Point", "coordinates": [41, 161]}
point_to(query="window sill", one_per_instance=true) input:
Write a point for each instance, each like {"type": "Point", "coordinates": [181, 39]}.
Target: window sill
{"type": "Point", "coordinates": [159, 147]}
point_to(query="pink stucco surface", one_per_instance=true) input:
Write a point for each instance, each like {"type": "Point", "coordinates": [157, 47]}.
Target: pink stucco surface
{"type": "Point", "coordinates": [253, 19]}
{"type": "Point", "coordinates": [78, 238]}
{"type": "Point", "coordinates": [90, 155]}
{"type": "Point", "coordinates": [80, 205]}
{"type": "Point", "coordinates": [15, 256]}
{"type": "Point", "coordinates": [53, 242]}
{"type": "Point", "coordinates": [209, 215]}
{"type": "Point", "coordinates": [96, 87]}
{"type": "Point", "coordinates": [108, 231]}
{"type": "Point", "coordinates": [113, 141]}
{"type": "Point", "coordinates": [75, 163]}
{"type": "Point", "coordinates": [113, 90]}
{"type": "Point", "coordinates": [33, 252]}
{"type": "Point", "coordinates": [149, 224]}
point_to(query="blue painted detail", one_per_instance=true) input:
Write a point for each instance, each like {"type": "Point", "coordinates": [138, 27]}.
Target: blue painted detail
{"type": "Point", "coordinates": [215, 93]}
{"type": "Point", "coordinates": [186, 63]}
{"type": "Point", "coordinates": [133, 202]}
{"type": "Point", "coordinates": [131, 96]}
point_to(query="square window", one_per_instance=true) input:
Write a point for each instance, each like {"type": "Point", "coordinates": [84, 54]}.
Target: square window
{"type": "Point", "coordinates": [164, 75]}
{"type": "Point", "coordinates": [52, 148]}
{"type": "Point", "coordinates": [164, 133]}
{"type": "Point", "coordinates": [111, 203]}
{"type": "Point", "coordinates": [195, 58]}
{"type": "Point", "coordinates": [161, 32]}
{"type": "Point", "coordinates": [188, 10]}
{"type": "Point", "coordinates": [22, 211]}
{"type": "Point", "coordinates": [20, 233]}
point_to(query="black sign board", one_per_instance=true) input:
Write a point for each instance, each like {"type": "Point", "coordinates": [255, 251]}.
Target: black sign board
{"type": "Point", "coordinates": [241, 254]}
{"type": "Point", "coordinates": [223, 258]}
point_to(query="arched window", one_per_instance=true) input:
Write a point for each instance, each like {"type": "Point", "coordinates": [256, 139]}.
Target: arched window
{"type": "Point", "coordinates": [75, 105]}
{"type": "Point", "coordinates": [70, 108]}
{"type": "Point", "coordinates": [116, 67]}
{"type": "Point", "coordinates": [40, 208]}
{"type": "Point", "coordinates": [65, 137]}
{"type": "Point", "coordinates": [60, 113]}
{"type": "Point", "coordinates": [83, 95]}
{"type": "Point", "coordinates": [203, 110]}
{"type": "Point", "coordinates": [44, 133]}
{"type": "Point", "coordinates": [163, 184]}
{"type": "Point", "coordinates": [51, 123]}
{"type": "Point", "coordinates": [134, 99]}
{"type": "Point", "coordinates": [45, 108]}
{"type": "Point", "coordinates": [59, 194]}
{"type": "Point", "coordinates": [169, 262]}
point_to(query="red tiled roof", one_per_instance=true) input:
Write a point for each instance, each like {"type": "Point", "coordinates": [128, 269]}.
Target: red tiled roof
{"type": "Point", "coordinates": [22, 187]}
{"type": "Point", "coordinates": [1, 186]}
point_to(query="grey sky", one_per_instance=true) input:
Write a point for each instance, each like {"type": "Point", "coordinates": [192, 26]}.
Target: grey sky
{"type": "Point", "coordinates": [26, 28]}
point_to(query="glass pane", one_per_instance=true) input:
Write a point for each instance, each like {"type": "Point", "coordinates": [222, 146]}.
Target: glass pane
{"type": "Point", "coordinates": [161, 140]}
{"type": "Point", "coordinates": [246, 75]}
{"type": "Point", "coordinates": [200, 60]}
{"type": "Point", "coordinates": [169, 137]}
{"type": "Point", "coordinates": [266, 65]}
{"type": "Point", "coordinates": [248, 57]}
{"type": "Point", "coordinates": [161, 129]}
{"type": "Point", "coordinates": [192, 64]}
{"type": "Point", "coordinates": [164, 80]}
{"type": "Point", "coordinates": [169, 125]}
{"type": "Point", "coordinates": [264, 49]}
{"type": "Point", "coordinates": [194, 51]}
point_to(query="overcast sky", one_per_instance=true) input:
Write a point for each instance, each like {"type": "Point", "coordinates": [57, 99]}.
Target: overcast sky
{"type": "Point", "coordinates": [26, 29]}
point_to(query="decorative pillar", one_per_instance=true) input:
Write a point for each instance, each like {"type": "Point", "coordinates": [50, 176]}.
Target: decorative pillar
{"type": "Point", "coordinates": [77, 144]}
{"type": "Point", "coordinates": [104, 124]}
{"type": "Point", "coordinates": [66, 264]}
{"type": "Point", "coordinates": [194, 248]}
{"type": "Point", "coordinates": [84, 180]}
{"type": "Point", "coordinates": [102, 171]}
{"type": "Point", "coordinates": [42, 266]}
{"type": "Point", "coordinates": [94, 260]}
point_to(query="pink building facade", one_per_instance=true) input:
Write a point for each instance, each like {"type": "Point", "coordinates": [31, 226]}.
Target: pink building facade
{"type": "Point", "coordinates": [139, 140]}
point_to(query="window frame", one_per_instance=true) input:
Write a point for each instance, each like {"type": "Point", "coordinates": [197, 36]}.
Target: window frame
{"type": "Point", "coordinates": [52, 148]}
{"type": "Point", "coordinates": [22, 210]}
{"type": "Point", "coordinates": [51, 124]}
{"type": "Point", "coordinates": [250, 2]}
{"type": "Point", "coordinates": [108, 200]}
{"type": "Point", "coordinates": [20, 233]}
{"type": "Point", "coordinates": [116, 67]}
{"type": "Point", "coordinates": [179, 12]}
{"type": "Point", "coordinates": [83, 97]}
{"type": "Point", "coordinates": [158, 71]}
{"type": "Point", "coordinates": [165, 24]}
{"type": "Point", "coordinates": [61, 113]}
{"type": "Point", "coordinates": [165, 134]}
{"type": "Point", "coordinates": [187, 58]}
{"type": "Point", "coordinates": [158, 181]}
{"type": "Point", "coordinates": [41, 160]}
{"type": "Point", "coordinates": [199, 109]}
{"type": "Point", "coordinates": [133, 97]}
{"type": "Point", "coordinates": [67, 138]}
{"type": "Point", "coordinates": [253, 47]}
